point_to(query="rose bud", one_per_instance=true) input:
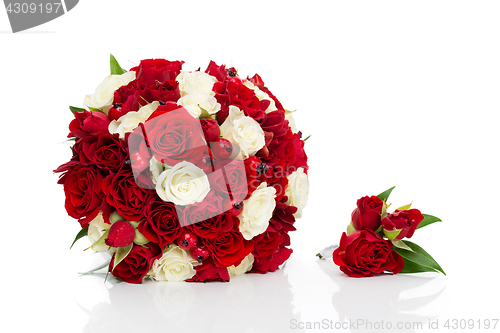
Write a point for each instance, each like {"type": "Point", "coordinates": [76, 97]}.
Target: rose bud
{"type": "Point", "coordinates": [121, 233]}
{"type": "Point", "coordinates": [88, 123]}
{"type": "Point", "coordinates": [368, 214]}
{"type": "Point", "coordinates": [211, 129]}
{"type": "Point", "coordinates": [404, 221]}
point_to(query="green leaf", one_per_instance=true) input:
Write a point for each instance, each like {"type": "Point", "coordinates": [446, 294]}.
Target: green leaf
{"type": "Point", "coordinates": [80, 234]}
{"type": "Point", "coordinates": [97, 268]}
{"type": "Point", "coordinates": [122, 253]}
{"type": "Point", "coordinates": [400, 244]}
{"type": "Point", "coordinates": [320, 256]}
{"type": "Point", "coordinates": [75, 109]}
{"type": "Point", "coordinates": [419, 258]}
{"type": "Point", "coordinates": [428, 219]}
{"type": "Point", "coordinates": [411, 267]}
{"type": "Point", "coordinates": [350, 229]}
{"type": "Point", "coordinates": [385, 195]}
{"type": "Point", "coordinates": [307, 138]}
{"type": "Point", "coordinates": [392, 234]}
{"type": "Point", "coordinates": [139, 238]}
{"type": "Point", "coordinates": [405, 207]}
{"type": "Point", "coordinates": [114, 217]}
{"type": "Point", "coordinates": [96, 110]}
{"type": "Point", "coordinates": [114, 66]}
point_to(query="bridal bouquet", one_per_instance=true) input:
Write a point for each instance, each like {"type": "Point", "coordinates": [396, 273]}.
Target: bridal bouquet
{"type": "Point", "coordinates": [185, 175]}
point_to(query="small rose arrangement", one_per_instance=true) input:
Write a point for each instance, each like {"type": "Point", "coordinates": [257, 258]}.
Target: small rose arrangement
{"type": "Point", "coordinates": [185, 175]}
{"type": "Point", "coordinates": [377, 241]}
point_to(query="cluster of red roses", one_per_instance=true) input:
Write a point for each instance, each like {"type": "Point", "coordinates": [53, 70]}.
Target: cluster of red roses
{"type": "Point", "coordinates": [373, 242]}
{"type": "Point", "coordinates": [105, 175]}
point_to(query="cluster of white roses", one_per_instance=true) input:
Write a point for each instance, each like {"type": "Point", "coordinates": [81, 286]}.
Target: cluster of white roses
{"type": "Point", "coordinates": [185, 183]}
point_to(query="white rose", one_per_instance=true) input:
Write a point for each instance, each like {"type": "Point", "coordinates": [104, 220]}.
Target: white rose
{"type": "Point", "coordinates": [245, 265]}
{"type": "Point", "coordinates": [262, 96]}
{"type": "Point", "coordinates": [156, 168]}
{"type": "Point", "coordinates": [103, 96]}
{"type": "Point", "coordinates": [195, 82]}
{"type": "Point", "coordinates": [257, 211]}
{"type": "Point", "coordinates": [291, 122]}
{"type": "Point", "coordinates": [175, 265]}
{"type": "Point", "coordinates": [97, 228]}
{"type": "Point", "coordinates": [297, 191]}
{"type": "Point", "coordinates": [128, 122]}
{"type": "Point", "coordinates": [243, 131]}
{"type": "Point", "coordinates": [194, 103]}
{"type": "Point", "coordinates": [184, 184]}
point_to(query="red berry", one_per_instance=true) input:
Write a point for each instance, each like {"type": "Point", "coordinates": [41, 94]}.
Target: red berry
{"type": "Point", "coordinates": [139, 163]}
{"type": "Point", "coordinates": [222, 148]}
{"type": "Point", "coordinates": [235, 208]}
{"type": "Point", "coordinates": [232, 72]}
{"type": "Point", "coordinates": [200, 253]}
{"type": "Point", "coordinates": [115, 112]}
{"type": "Point", "coordinates": [206, 163]}
{"type": "Point", "coordinates": [187, 241]}
{"type": "Point", "coordinates": [120, 234]}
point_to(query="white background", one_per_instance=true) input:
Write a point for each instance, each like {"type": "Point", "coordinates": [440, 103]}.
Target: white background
{"type": "Point", "coordinates": [393, 93]}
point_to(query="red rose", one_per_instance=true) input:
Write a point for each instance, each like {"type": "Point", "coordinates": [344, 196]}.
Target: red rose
{"type": "Point", "coordinates": [267, 243]}
{"type": "Point", "coordinates": [230, 179]}
{"type": "Point", "coordinates": [125, 195]}
{"type": "Point", "coordinates": [206, 219]}
{"type": "Point", "coordinates": [272, 262]}
{"type": "Point", "coordinates": [364, 253]}
{"type": "Point", "coordinates": [209, 272]}
{"type": "Point", "coordinates": [234, 92]}
{"type": "Point", "coordinates": [367, 216]}
{"type": "Point", "coordinates": [153, 72]}
{"type": "Point", "coordinates": [299, 153]}
{"type": "Point", "coordinates": [405, 220]}
{"type": "Point", "coordinates": [251, 166]}
{"type": "Point", "coordinates": [126, 98]}
{"type": "Point", "coordinates": [219, 72]}
{"type": "Point", "coordinates": [165, 92]}
{"type": "Point", "coordinates": [160, 224]}
{"type": "Point", "coordinates": [282, 220]}
{"type": "Point", "coordinates": [211, 129]}
{"type": "Point", "coordinates": [106, 151]}
{"type": "Point", "coordinates": [136, 264]}
{"type": "Point", "coordinates": [88, 123]}
{"type": "Point", "coordinates": [257, 81]}
{"type": "Point", "coordinates": [276, 177]}
{"type": "Point", "coordinates": [175, 137]}
{"type": "Point", "coordinates": [229, 248]}
{"type": "Point", "coordinates": [132, 96]}
{"type": "Point", "coordinates": [83, 190]}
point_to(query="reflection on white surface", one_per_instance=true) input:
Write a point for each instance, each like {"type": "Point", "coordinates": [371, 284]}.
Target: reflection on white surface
{"type": "Point", "coordinates": [305, 296]}
{"type": "Point", "coordinates": [405, 300]}
{"type": "Point", "coordinates": [249, 303]}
